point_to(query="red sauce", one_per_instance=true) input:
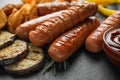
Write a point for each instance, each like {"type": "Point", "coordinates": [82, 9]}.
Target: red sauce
{"type": "Point", "coordinates": [112, 39]}
{"type": "Point", "coordinates": [111, 45]}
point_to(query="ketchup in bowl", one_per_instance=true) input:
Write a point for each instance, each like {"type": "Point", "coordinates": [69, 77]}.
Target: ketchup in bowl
{"type": "Point", "coordinates": [111, 45]}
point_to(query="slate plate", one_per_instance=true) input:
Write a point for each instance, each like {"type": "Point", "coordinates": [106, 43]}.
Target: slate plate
{"type": "Point", "coordinates": [85, 65]}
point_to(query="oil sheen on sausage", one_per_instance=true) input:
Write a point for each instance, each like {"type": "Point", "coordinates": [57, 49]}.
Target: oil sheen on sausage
{"type": "Point", "coordinates": [94, 41]}
{"type": "Point", "coordinates": [66, 44]}
{"type": "Point", "coordinates": [51, 7]}
{"type": "Point", "coordinates": [23, 30]}
{"type": "Point", "coordinates": [53, 27]}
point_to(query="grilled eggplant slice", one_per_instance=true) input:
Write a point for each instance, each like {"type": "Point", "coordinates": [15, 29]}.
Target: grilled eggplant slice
{"type": "Point", "coordinates": [6, 39]}
{"type": "Point", "coordinates": [33, 61]}
{"type": "Point", "coordinates": [13, 53]}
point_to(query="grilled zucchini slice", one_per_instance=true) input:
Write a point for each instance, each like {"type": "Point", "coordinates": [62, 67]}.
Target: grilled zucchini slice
{"type": "Point", "coordinates": [6, 39]}
{"type": "Point", "coordinates": [13, 53]}
{"type": "Point", "coordinates": [33, 61]}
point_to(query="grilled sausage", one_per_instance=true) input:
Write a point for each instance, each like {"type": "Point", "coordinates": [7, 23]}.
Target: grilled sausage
{"type": "Point", "coordinates": [23, 30]}
{"type": "Point", "coordinates": [94, 41]}
{"type": "Point", "coordinates": [53, 27]}
{"type": "Point", "coordinates": [43, 9]}
{"type": "Point", "coordinates": [51, 7]}
{"type": "Point", "coordinates": [66, 44]}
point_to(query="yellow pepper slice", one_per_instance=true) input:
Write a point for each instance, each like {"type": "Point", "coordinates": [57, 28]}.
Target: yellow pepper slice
{"type": "Point", "coordinates": [118, 1]}
{"type": "Point", "coordinates": [105, 11]}
{"type": "Point", "coordinates": [104, 1]}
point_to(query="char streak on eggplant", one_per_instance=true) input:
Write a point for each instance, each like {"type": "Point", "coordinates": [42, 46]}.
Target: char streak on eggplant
{"type": "Point", "coordinates": [33, 61]}
{"type": "Point", "coordinates": [6, 39]}
{"type": "Point", "coordinates": [13, 53]}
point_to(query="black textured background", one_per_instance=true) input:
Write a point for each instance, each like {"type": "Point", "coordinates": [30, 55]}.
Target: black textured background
{"type": "Point", "coordinates": [85, 65]}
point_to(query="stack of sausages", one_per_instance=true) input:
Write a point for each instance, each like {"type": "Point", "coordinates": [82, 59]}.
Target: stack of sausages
{"type": "Point", "coordinates": [94, 41]}
{"type": "Point", "coordinates": [66, 44]}
{"type": "Point", "coordinates": [67, 25]}
{"type": "Point", "coordinates": [66, 29]}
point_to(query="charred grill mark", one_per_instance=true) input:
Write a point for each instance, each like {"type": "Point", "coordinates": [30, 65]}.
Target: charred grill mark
{"type": "Point", "coordinates": [67, 19]}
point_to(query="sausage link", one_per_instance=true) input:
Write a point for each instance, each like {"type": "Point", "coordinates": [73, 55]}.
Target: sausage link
{"type": "Point", "coordinates": [94, 41]}
{"type": "Point", "coordinates": [23, 30]}
{"type": "Point", "coordinates": [42, 9]}
{"type": "Point", "coordinates": [51, 7]}
{"type": "Point", "coordinates": [66, 44]}
{"type": "Point", "coordinates": [49, 30]}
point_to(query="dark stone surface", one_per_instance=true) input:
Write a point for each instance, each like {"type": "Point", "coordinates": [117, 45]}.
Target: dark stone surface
{"type": "Point", "coordinates": [85, 65]}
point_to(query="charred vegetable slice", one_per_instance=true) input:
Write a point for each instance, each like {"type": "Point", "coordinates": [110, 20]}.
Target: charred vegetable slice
{"type": "Point", "coordinates": [13, 53]}
{"type": "Point", "coordinates": [33, 61]}
{"type": "Point", "coordinates": [6, 39]}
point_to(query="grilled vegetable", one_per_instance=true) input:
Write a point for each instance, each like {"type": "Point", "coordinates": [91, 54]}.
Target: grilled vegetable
{"type": "Point", "coordinates": [13, 53]}
{"type": "Point", "coordinates": [6, 39]}
{"type": "Point", "coordinates": [104, 1]}
{"type": "Point", "coordinates": [105, 11]}
{"type": "Point", "coordinates": [33, 61]}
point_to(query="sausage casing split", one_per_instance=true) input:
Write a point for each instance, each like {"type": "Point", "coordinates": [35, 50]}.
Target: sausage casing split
{"type": "Point", "coordinates": [94, 41]}
{"type": "Point", "coordinates": [66, 44]}
{"type": "Point", "coordinates": [53, 27]}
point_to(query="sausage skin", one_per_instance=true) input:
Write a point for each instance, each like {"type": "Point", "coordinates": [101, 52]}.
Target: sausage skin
{"type": "Point", "coordinates": [94, 41]}
{"type": "Point", "coordinates": [23, 30]}
{"type": "Point", "coordinates": [51, 7]}
{"type": "Point", "coordinates": [66, 44]}
{"type": "Point", "coordinates": [53, 27]}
